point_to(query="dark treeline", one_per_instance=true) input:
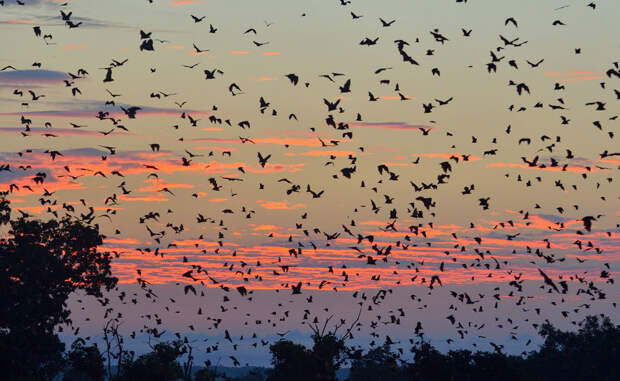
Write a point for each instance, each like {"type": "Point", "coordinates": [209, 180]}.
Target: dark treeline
{"type": "Point", "coordinates": [43, 262]}
{"type": "Point", "coordinates": [589, 354]}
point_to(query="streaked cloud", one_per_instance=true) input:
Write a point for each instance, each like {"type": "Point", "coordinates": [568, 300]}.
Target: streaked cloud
{"type": "Point", "coordinates": [390, 125]}
{"type": "Point", "coordinates": [29, 77]}
{"type": "Point", "coordinates": [281, 205]}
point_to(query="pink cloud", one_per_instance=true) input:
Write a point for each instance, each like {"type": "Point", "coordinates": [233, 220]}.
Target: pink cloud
{"type": "Point", "coordinates": [575, 169]}
{"type": "Point", "coordinates": [143, 198]}
{"type": "Point", "coordinates": [176, 3]}
{"type": "Point", "coordinates": [80, 114]}
{"type": "Point", "coordinates": [392, 97]}
{"type": "Point", "coordinates": [391, 125]}
{"type": "Point", "coordinates": [580, 78]}
{"type": "Point", "coordinates": [571, 73]}
{"type": "Point", "coordinates": [17, 21]}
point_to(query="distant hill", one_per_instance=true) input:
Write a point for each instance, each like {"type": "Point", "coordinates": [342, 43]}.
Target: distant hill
{"type": "Point", "coordinates": [254, 373]}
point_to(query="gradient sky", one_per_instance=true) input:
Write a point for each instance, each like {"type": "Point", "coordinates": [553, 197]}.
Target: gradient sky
{"type": "Point", "coordinates": [535, 212]}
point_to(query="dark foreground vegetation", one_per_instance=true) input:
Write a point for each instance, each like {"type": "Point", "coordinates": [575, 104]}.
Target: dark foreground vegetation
{"type": "Point", "coordinates": [42, 263]}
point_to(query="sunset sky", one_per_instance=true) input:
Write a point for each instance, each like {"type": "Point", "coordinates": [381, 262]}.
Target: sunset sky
{"type": "Point", "coordinates": [172, 196]}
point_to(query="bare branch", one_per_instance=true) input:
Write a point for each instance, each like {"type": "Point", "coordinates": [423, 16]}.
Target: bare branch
{"type": "Point", "coordinates": [325, 325]}
{"type": "Point", "coordinates": [348, 333]}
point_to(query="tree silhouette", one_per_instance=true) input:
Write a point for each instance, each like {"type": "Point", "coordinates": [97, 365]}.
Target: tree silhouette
{"type": "Point", "coordinates": [319, 363]}
{"type": "Point", "coordinates": [428, 363]}
{"type": "Point", "coordinates": [27, 356]}
{"type": "Point", "coordinates": [41, 264]}
{"type": "Point", "coordinates": [161, 364]}
{"type": "Point", "coordinates": [496, 366]}
{"type": "Point", "coordinates": [329, 352]}
{"type": "Point", "coordinates": [84, 363]}
{"type": "Point", "coordinates": [462, 365]}
{"type": "Point", "coordinates": [288, 359]}
{"type": "Point", "coordinates": [379, 364]}
{"type": "Point", "coordinates": [206, 374]}
{"type": "Point", "coordinates": [590, 353]}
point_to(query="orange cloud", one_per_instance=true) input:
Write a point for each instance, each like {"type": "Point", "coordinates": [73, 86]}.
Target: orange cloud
{"type": "Point", "coordinates": [221, 199]}
{"type": "Point", "coordinates": [168, 268]}
{"type": "Point", "coordinates": [449, 155]}
{"type": "Point", "coordinates": [124, 241]}
{"type": "Point", "coordinates": [192, 242]}
{"type": "Point", "coordinates": [267, 227]}
{"type": "Point", "coordinates": [328, 153]}
{"type": "Point", "coordinates": [281, 205]}
{"type": "Point", "coordinates": [74, 47]}
{"type": "Point", "coordinates": [308, 142]}
{"type": "Point", "coordinates": [158, 185]}
{"type": "Point", "coordinates": [575, 75]}
{"type": "Point", "coordinates": [51, 186]}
